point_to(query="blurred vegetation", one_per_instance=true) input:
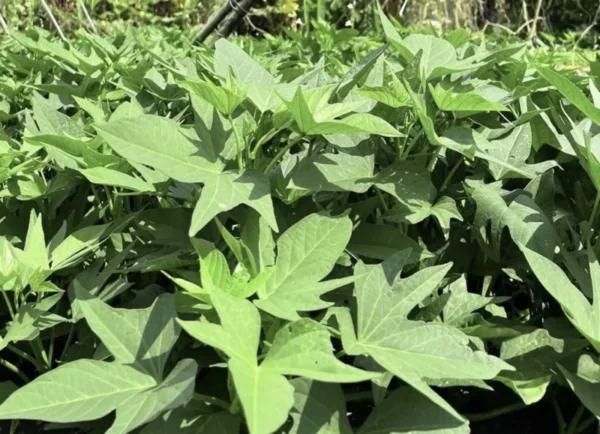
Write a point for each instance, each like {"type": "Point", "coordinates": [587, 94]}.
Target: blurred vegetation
{"type": "Point", "coordinates": [576, 21]}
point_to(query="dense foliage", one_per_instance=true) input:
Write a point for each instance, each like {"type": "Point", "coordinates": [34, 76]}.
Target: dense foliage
{"type": "Point", "coordinates": [523, 17]}
{"type": "Point", "coordinates": [301, 236]}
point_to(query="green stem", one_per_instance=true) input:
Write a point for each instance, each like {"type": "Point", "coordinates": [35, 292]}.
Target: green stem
{"type": "Point", "coordinates": [14, 369]}
{"type": "Point", "coordinates": [405, 141]}
{"type": "Point", "coordinates": [359, 396]}
{"type": "Point", "coordinates": [560, 420]}
{"type": "Point", "coordinates": [412, 143]}
{"type": "Point", "coordinates": [384, 205]}
{"type": "Point", "coordinates": [51, 348]}
{"type": "Point", "coordinates": [67, 343]}
{"type": "Point", "coordinates": [500, 411]}
{"type": "Point", "coordinates": [281, 153]}
{"type": "Point", "coordinates": [592, 218]}
{"type": "Point", "coordinates": [111, 206]}
{"type": "Point", "coordinates": [238, 143]}
{"type": "Point", "coordinates": [41, 352]}
{"type": "Point", "coordinates": [586, 424]}
{"type": "Point", "coordinates": [99, 201]}
{"type": "Point", "coordinates": [451, 174]}
{"type": "Point", "coordinates": [8, 305]}
{"type": "Point", "coordinates": [212, 400]}
{"type": "Point", "coordinates": [572, 429]}
{"type": "Point", "coordinates": [22, 354]}
{"type": "Point", "coordinates": [258, 145]}
{"type": "Point", "coordinates": [306, 10]}
{"type": "Point", "coordinates": [340, 353]}
{"type": "Point", "coordinates": [264, 139]}
{"type": "Point", "coordinates": [434, 159]}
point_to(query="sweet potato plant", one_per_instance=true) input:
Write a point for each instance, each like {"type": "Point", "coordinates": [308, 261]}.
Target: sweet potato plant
{"type": "Point", "coordinates": [396, 237]}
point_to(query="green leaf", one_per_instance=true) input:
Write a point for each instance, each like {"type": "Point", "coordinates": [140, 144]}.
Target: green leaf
{"type": "Point", "coordinates": [306, 254]}
{"type": "Point", "coordinates": [391, 34]}
{"type": "Point", "coordinates": [31, 319]}
{"type": "Point", "coordinates": [175, 391]}
{"type": "Point", "coordinates": [534, 355]}
{"type": "Point", "coordinates": [462, 303]}
{"type": "Point", "coordinates": [319, 408]}
{"type": "Point", "coordinates": [334, 172]}
{"type": "Point", "coordinates": [572, 92]}
{"type": "Point", "coordinates": [526, 223]}
{"type": "Point", "coordinates": [513, 150]}
{"type": "Point", "coordinates": [407, 411]}
{"type": "Point", "coordinates": [356, 74]}
{"type": "Point", "coordinates": [313, 117]}
{"type": "Point", "coordinates": [412, 350]}
{"type": "Point", "coordinates": [465, 98]}
{"type": "Point", "coordinates": [239, 332]}
{"type": "Point", "coordinates": [259, 389]}
{"type": "Point", "coordinates": [73, 248]}
{"type": "Point", "coordinates": [106, 176]}
{"type": "Point", "coordinates": [35, 244]}
{"type": "Point", "coordinates": [585, 389]}
{"type": "Point", "coordinates": [214, 273]}
{"type": "Point", "coordinates": [93, 109]}
{"type": "Point", "coordinates": [51, 121]}
{"type": "Point", "coordinates": [247, 72]}
{"type": "Point", "coordinates": [250, 75]}
{"type": "Point", "coordinates": [258, 237]}
{"type": "Point", "coordinates": [142, 338]}
{"type": "Point", "coordinates": [444, 210]}
{"type": "Point", "coordinates": [128, 109]}
{"type": "Point", "coordinates": [437, 56]}
{"type": "Point", "coordinates": [302, 348]}
{"type": "Point", "coordinates": [225, 99]}
{"type": "Point", "coordinates": [426, 115]}
{"type": "Point", "coordinates": [192, 420]}
{"type": "Point", "coordinates": [214, 128]}
{"type": "Point", "coordinates": [382, 241]}
{"type": "Point", "coordinates": [394, 96]}
{"type": "Point", "coordinates": [76, 391]}
{"type": "Point", "coordinates": [583, 315]}
{"type": "Point", "coordinates": [226, 191]}
{"type": "Point", "coordinates": [411, 185]}
{"type": "Point", "coordinates": [163, 145]}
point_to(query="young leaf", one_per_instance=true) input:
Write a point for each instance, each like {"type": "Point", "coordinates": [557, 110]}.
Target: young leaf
{"type": "Point", "coordinates": [35, 244]}
{"type": "Point", "coordinates": [301, 348]}
{"type": "Point", "coordinates": [224, 98]}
